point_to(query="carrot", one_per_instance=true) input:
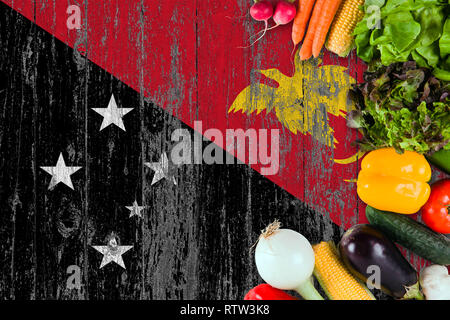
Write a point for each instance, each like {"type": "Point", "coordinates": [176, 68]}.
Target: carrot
{"type": "Point", "coordinates": [301, 20]}
{"type": "Point", "coordinates": [306, 50]}
{"type": "Point", "coordinates": [326, 18]}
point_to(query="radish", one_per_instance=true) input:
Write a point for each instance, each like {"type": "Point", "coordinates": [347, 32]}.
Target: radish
{"type": "Point", "coordinates": [285, 260]}
{"type": "Point", "coordinates": [261, 11]}
{"type": "Point", "coordinates": [284, 13]}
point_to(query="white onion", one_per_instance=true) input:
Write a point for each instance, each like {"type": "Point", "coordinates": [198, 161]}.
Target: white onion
{"type": "Point", "coordinates": [284, 259]}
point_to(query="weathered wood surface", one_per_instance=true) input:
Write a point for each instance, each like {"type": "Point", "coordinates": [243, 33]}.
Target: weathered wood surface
{"type": "Point", "coordinates": [194, 240]}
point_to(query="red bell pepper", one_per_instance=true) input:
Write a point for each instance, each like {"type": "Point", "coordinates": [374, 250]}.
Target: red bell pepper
{"type": "Point", "coordinates": [267, 292]}
{"type": "Point", "coordinates": [435, 212]}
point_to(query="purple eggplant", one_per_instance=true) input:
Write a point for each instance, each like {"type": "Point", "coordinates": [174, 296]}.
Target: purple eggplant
{"type": "Point", "coordinates": [366, 250]}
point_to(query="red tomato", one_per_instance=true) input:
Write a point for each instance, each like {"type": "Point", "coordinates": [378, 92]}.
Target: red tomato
{"type": "Point", "coordinates": [435, 213]}
{"type": "Point", "coordinates": [266, 292]}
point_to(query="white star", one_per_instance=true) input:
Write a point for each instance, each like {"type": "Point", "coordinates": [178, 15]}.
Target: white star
{"type": "Point", "coordinates": [112, 114]}
{"type": "Point", "coordinates": [135, 209]}
{"type": "Point", "coordinates": [161, 169]}
{"type": "Point", "coordinates": [112, 253]}
{"type": "Point", "coordinates": [61, 173]}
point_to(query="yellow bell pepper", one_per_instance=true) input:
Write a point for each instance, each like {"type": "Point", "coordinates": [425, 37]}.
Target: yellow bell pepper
{"type": "Point", "coordinates": [394, 182]}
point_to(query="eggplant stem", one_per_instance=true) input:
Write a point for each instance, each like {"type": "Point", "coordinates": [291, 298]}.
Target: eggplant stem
{"type": "Point", "coordinates": [413, 292]}
{"type": "Point", "coordinates": [308, 291]}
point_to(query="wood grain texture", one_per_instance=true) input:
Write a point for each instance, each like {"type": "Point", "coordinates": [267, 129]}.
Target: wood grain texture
{"type": "Point", "coordinates": [18, 202]}
{"type": "Point", "coordinates": [195, 238]}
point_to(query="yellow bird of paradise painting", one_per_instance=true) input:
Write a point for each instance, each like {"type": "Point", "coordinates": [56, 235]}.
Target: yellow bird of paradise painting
{"type": "Point", "coordinates": [302, 102]}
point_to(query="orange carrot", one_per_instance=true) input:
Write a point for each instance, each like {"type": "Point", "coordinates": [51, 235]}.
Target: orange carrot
{"type": "Point", "coordinates": [326, 18]}
{"type": "Point", "coordinates": [301, 20]}
{"type": "Point", "coordinates": [306, 50]}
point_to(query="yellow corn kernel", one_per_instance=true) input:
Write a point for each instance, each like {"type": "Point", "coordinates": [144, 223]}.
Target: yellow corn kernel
{"type": "Point", "coordinates": [334, 278]}
{"type": "Point", "coordinates": [340, 39]}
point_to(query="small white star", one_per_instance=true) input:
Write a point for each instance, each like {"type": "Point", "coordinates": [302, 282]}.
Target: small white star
{"type": "Point", "coordinates": [112, 253]}
{"type": "Point", "coordinates": [61, 173]}
{"type": "Point", "coordinates": [135, 209]}
{"type": "Point", "coordinates": [112, 114]}
{"type": "Point", "coordinates": [161, 169]}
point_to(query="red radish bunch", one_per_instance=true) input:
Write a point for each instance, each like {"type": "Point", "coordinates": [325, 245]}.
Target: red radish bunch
{"type": "Point", "coordinates": [263, 10]}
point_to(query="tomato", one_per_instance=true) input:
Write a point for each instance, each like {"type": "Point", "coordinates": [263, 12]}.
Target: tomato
{"type": "Point", "coordinates": [435, 212]}
{"type": "Point", "coordinates": [267, 292]}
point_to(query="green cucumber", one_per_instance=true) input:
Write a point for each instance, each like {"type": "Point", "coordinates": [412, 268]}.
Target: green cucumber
{"type": "Point", "coordinates": [441, 159]}
{"type": "Point", "coordinates": [411, 234]}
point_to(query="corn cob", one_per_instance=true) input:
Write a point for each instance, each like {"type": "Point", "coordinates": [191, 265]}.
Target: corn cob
{"type": "Point", "coordinates": [334, 277]}
{"type": "Point", "coordinates": [340, 39]}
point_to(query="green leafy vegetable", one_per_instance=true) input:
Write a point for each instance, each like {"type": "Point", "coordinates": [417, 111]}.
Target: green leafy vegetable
{"type": "Point", "coordinates": [402, 106]}
{"type": "Point", "coordinates": [401, 30]}
{"type": "Point", "coordinates": [444, 41]}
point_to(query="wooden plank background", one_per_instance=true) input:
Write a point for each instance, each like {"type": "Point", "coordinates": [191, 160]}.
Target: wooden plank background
{"type": "Point", "coordinates": [194, 240]}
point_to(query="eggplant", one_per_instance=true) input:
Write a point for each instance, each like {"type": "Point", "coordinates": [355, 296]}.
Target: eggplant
{"type": "Point", "coordinates": [363, 246]}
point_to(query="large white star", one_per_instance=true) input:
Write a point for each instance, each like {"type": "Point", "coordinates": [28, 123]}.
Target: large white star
{"type": "Point", "coordinates": [112, 253]}
{"type": "Point", "coordinates": [135, 209]}
{"type": "Point", "coordinates": [161, 169]}
{"type": "Point", "coordinates": [61, 173]}
{"type": "Point", "coordinates": [112, 114]}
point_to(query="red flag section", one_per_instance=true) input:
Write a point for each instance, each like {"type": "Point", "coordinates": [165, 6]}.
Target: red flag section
{"type": "Point", "coordinates": [185, 56]}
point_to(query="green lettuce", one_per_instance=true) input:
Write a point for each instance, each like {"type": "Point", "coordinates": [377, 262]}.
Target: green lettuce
{"type": "Point", "coordinates": [402, 106]}
{"type": "Point", "coordinates": [402, 30]}
{"type": "Point", "coordinates": [444, 41]}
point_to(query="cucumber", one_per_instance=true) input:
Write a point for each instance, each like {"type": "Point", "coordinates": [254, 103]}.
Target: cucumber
{"type": "Point", "coordinates": [411, 234]}
{"type": "Point", "coordinates": [441, 159]}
